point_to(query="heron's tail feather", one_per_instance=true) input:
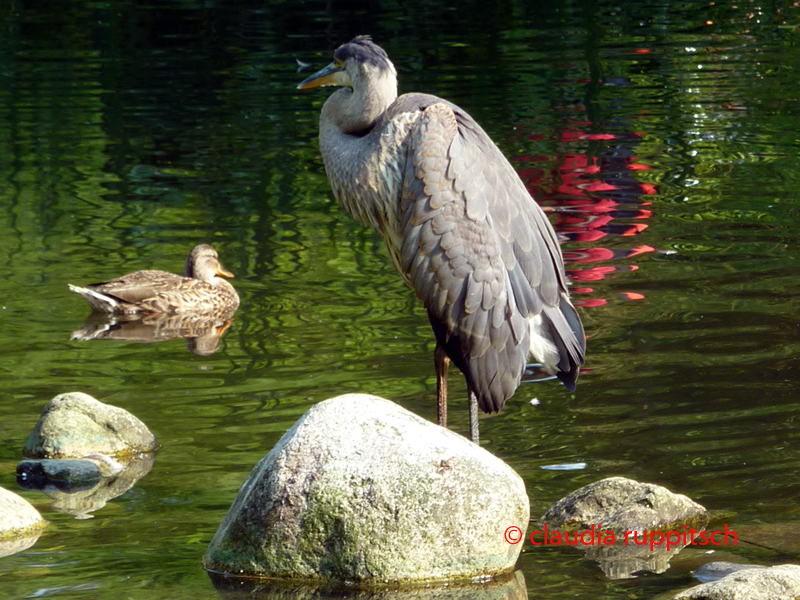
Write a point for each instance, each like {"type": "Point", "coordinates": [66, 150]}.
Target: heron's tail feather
{"type": "Point", "coordinates": [568, 336]}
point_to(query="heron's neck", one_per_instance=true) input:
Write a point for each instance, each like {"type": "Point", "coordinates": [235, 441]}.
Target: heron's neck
{"type": "Point", "coordinates": [354, 111]}
{"type": "Point", "coordinates": [351, 128]}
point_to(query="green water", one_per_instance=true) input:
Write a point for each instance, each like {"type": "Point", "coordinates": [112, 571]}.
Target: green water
{"type": "Point", "coordinates": [129, 133]}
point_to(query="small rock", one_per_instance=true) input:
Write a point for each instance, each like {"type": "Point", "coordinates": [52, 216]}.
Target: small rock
{"type": "Point", "coordinates": [766, 583]}
{"type": "Point", "coordinates": [619, 504]}
{"type": "Point", "coordinates": [362, 490]}
{"type": "Point", "coordinates": [18, 519]}
{"type": "Point", "coordinates": [74, 425]}
{"type": "Point", "coordinates": [68, 475]}
{"type": "Point", "coordinates": [624, 506]}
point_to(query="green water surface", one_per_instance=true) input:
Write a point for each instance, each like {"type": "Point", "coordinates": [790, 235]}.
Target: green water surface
{"type": "Point", "coordinates": [663, 136]}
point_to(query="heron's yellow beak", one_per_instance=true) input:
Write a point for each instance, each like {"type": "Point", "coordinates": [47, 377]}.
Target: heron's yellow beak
{"type": "Point", "coordinates": [330, 75]}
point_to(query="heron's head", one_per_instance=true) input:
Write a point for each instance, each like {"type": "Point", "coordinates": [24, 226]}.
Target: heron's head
{"type": "Point", "coordinates": [359, 61]}
{"type": "Point", "coordinates": [368, 76]}
{"type": "Point", "coordinates": [203, 264]}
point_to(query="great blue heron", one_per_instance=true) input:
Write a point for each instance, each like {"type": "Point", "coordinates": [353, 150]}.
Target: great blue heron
{"type": "Point", "coordinates": [459, 225]}
{"type": "Point", "coordinates": [199, 290]}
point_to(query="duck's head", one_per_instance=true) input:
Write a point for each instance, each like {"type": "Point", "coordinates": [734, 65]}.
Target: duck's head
{"type": "Point", "coordinates": [203, 264]}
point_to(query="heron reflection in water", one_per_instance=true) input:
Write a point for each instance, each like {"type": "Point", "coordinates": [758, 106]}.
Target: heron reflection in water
{"type": "Point", "coordinates": [459, 225]}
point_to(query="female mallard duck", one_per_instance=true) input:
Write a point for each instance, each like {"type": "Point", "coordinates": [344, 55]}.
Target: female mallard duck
{"type": "Point", "coordinates": [199, 290]}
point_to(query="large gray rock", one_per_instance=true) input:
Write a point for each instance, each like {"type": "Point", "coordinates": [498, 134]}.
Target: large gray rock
{"type": "Point", "coordinates": [361, 490]}
{"type": "Point", "coordinates": [619, 504]}
{"type": "Point", "coordinates": [75, 425]}
{"type": "Point", "coordinates": [767, 583]}
{"type": "Point", "coordinates": [20, 523]}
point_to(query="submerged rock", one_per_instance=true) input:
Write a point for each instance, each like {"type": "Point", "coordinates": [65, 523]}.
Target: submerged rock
{"type": "Point", "coordinates": [619, 504]}
{"type": "Point", "coordinates": [20, 523]}
{"type": "Point", "coordinates": [75, 425]}
{"type": "Point", "coordinates": [362, 490]}
{"type": "Point", "coordinates": [749, 583]}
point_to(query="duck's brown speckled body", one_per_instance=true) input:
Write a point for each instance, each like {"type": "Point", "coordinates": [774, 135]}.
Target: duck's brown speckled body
{"type": "Point", "coordinates": [200, 289]}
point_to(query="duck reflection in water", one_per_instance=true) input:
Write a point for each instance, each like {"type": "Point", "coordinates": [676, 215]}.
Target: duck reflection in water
{"type": "Point", "coordinates": [202, 331]}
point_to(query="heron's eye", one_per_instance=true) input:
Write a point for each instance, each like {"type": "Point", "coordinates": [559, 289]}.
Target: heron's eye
{"type": "Point", "coordinates": [338, 63]}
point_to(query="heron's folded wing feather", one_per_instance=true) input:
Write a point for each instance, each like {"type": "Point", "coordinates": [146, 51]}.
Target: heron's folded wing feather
{"type": "Point", "coordinates": [452, 258]}
{"type": "Point", "coordinates": [528, 245]}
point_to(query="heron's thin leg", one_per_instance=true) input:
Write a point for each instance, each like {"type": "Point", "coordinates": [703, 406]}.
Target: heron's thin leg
{"type": "Point", "coordinates": [474, 432]}
{"type": "Point", "coordinates": [442, 361]}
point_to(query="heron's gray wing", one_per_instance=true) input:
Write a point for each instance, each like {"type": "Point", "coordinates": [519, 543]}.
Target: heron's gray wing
{"type": "Point", "coordinates": [454, 260]}
{"type": "Point", "coordinates": [482, 257]}
{"type": "Point", "coordinates": [528, 242]}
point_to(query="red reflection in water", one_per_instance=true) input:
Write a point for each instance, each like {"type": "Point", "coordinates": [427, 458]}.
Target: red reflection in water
{"type": "Point", "coordinates": [594, 198]}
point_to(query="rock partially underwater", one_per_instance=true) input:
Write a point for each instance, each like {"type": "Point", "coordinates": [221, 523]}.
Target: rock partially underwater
{"type": "Point", "coordinates": [20, 523]}
{"type": "Point", "coordinates": [361, 490]}
{"type": "Point", "coordinates": [75, 425]}
{"type": "Point", "coordinates": [620, 504]}
{"type": "Point", "coordinates": [649, 524]}
{"type": "Point", "coordinates": [82, 453]}
{"type": "Point", "coordinates": [750, 582]}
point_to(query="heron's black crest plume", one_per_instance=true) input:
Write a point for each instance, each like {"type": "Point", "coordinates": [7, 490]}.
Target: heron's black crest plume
{"type": "Point", "coordinates": [365, 51]}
